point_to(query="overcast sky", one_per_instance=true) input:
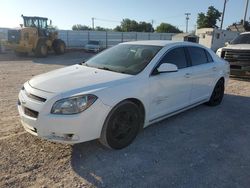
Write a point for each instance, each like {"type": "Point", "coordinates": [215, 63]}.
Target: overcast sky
{"type": "Point", "coordinates": [109, 13]}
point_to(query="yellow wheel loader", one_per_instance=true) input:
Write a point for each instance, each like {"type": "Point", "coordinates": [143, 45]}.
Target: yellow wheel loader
{"type": "Point", "coordinates": [35, 36]}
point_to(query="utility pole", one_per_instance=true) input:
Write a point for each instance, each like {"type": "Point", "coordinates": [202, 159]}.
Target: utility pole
{"type": "Point", "coordinates": [245, 15]}
{"type": "Point", "coordinates": [93, 23]}
{"type": "Point", "coordinates": [223, 13]}
{"type": "Point", "coordinates": [152, 23]}
{"type": "Point", "coordinates": [187, 18]}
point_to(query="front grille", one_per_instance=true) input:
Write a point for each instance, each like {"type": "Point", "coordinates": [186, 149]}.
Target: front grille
{"type": "Point", "coordinates": [235, 67]}
{"type": "Point", "coordinates": [237, 55]}
{"type": "Point", "coordinates": [32, 96]}
{"type": "Point", "coordinates": [35, 97]}
{"type": "Point", "coordinates": [31, 113]}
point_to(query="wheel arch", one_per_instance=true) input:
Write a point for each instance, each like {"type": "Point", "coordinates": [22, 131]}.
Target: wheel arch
{"type": "Point", "coordinates": [138, 103]}
{"type": "Point", "coordinates": [140, 106]}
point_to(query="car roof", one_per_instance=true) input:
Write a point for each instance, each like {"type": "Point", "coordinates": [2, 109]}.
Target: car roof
{"type": "Point", "coordinates": [160, 43]}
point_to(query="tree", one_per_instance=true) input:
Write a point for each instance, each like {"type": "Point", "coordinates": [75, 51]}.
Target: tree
{"type": "Point", "coordinates": [145, 27]}
{"type": "Point", "coordinates": [118, 29]}
{"type": "Point", "coordinates": [128, 25]}
{"type": "Point", "coordinates": [79, 27]}
{"type": "Point", "coordinates": [209, 19]}
{"type": "Point", "coordinates": [167, 28]}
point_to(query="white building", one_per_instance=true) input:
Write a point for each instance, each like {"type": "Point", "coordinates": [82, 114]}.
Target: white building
{"type": "Point", "coordinates": [215, 38]}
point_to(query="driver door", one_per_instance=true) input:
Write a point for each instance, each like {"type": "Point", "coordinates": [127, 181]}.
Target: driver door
{"type": "Point", "coordinates": [170, 91]}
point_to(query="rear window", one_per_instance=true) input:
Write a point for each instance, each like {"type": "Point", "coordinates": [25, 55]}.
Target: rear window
{"type": "Point", "coordinates": [199, 56]}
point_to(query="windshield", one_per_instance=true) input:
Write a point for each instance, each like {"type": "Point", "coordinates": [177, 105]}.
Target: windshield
{"type": "Point", "coordinates": [242, 39]}
{"type": "Point", "coordinates": [93, 42]}
{"type": "Point", "coordinates": [35, 22]}
{"type": "Point", "coordinates": [124, 58]}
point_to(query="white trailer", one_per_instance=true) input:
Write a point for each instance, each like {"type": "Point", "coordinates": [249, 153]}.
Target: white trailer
{"type": "Point", "coordinates": [215, 38]}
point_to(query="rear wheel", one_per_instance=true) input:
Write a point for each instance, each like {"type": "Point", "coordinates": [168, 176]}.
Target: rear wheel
{"type": "Point", "coordinates": [41, 49]}
{"type": "Point", "coordinates": [217, 94]}
{"type": "Point", "coordinates": [59, 46]}
{"type": "Point", "coordinates": [121, 126]}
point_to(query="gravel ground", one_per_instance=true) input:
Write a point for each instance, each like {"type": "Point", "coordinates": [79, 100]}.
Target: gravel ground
{"type": "Point", "coordinates": [202, 147]}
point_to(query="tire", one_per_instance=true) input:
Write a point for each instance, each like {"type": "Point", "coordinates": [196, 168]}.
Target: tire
{"type": "Point", "coordinates": [121, 126]}
{"type": "Point", "coordinates": [59, 46]}
{"type": "Point", "coordinates": [41, 49]}
{"type": "Point", "coordinates": [217, 94]}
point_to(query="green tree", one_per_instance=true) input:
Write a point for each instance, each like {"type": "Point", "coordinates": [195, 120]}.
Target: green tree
{"type": "Point", "coordinates": [167, 28]}
{"type": "Point", "coordinates": [145, 27]}
{"type": "Point", "coordinates": [79, 27]}
{"type": "Point", "coordinates": [118, 28]}
{"type": "Point", "coordinates": [209, 19]}
{"type": "Point", "coordinates": [128, 25]}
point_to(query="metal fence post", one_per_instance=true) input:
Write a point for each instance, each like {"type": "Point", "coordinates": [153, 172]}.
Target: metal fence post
{"type": "Point", "coordinates": [148, 36]}
{"type": "Point", "coordinates": [88, 36]}
{"type": "Point", "coordinates": [122, 37]}
{"type": "Point", "coordinates": [67, 35]}
{"type": "Point", "coordinates": [135, 36]}
{"type": "Point", "coordinates": [106, 39]}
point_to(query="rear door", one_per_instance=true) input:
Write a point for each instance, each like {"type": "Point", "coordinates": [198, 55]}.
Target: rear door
{"type": "Point", "coordinates": [170, 91]}
{"type": "Point", "coordinates": [203, 73]}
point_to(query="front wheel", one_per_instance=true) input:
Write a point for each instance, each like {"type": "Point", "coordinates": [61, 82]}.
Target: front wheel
{"type": "Point", "coordinates": [41, 49]}
{"type": "Point", "coordinates": [217, 94]}
{"type": "Point", "coordinates": [121, 126]}
{"type": "Point", "coordinates": [59, 46]}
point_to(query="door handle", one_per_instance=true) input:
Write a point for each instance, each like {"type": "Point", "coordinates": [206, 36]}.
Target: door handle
{"type": "Point", "coordinates": [214, 69]}
{"type": "Point", "coordinates": [188, 75]}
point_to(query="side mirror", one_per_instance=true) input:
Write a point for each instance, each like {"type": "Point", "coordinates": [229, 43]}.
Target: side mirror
{"type": "Point", "coordinates": [167, 67]}
{"type": "Point", "coordinates": [227, 43]}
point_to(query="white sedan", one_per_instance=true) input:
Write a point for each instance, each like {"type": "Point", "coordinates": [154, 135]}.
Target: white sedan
{"type": "Point", "coordinates": [118, 92]}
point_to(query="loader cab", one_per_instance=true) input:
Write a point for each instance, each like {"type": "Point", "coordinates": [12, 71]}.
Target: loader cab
{"type": "Point", "coordinates": [37, 22]}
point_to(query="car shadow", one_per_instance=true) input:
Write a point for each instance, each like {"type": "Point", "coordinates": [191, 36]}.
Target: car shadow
{"type": "Point", "coordinates": [202, 147]}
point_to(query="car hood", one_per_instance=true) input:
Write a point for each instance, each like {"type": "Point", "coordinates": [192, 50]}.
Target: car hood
{"type": "Point", "coordinates": [76, 77]}
{"type": "Point", "coordinates": [238, 47]}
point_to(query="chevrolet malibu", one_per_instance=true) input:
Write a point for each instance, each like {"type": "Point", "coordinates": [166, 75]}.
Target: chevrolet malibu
{"type": "Point", "coordinates": [120, 91]}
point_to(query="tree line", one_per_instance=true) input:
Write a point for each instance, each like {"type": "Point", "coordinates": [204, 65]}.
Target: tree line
{"type": "Point", "coordinates": [128, 25]}
{"type": "Point", "coordinates": [204, 20]}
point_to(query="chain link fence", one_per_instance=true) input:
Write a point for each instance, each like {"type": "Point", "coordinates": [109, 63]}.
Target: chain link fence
{"type": "Point", "coordinates": [77, 39]}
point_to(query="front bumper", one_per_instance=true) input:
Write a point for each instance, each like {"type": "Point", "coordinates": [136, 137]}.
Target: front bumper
{"type": "Point", "coordinates": [69, 129]}
{"type": "Point", "coordinates": [240, 69]}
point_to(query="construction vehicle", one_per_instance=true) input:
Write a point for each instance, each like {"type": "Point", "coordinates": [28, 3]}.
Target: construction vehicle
{"type": "Point", "coordinates": [35, 36]}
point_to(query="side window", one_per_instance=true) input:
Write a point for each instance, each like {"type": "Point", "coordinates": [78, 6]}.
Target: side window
{"type": "Point", "coordinates": [176, 56]}
{"type": "Point", "coordinates": [198, 55]}
{"type": "Point", "coordinates": [209, 57]}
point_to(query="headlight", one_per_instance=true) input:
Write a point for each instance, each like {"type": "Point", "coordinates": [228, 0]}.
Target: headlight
{"type": "Point", "coordinates": [73, 105]}
{"type": "Point", "coordinates": [218, 53]}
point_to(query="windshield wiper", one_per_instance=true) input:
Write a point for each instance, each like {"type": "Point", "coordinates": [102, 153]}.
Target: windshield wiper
{"type": "Point", "coordinates": [105, 68]}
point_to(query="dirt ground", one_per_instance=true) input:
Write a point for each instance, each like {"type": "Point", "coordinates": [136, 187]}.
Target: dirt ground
{"type": "Point", "coordinates": [202, 147]}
